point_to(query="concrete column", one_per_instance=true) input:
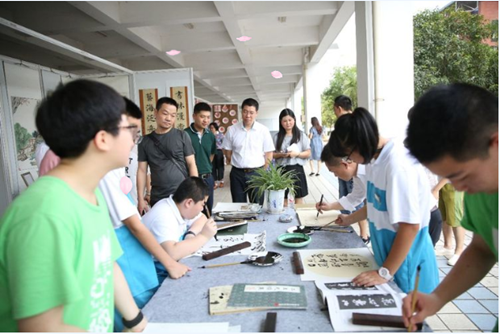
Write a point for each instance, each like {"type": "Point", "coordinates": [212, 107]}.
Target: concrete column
{"type": "Point", "coordinates": [364, 55]}
{"type": "Point", "coordinates": [312, 93]}
{"type": "Point", "coordinates": [393, 58]}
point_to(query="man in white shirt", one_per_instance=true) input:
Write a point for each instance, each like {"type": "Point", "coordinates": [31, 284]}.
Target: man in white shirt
{"type": "Point", "coordinates": [248, 145]}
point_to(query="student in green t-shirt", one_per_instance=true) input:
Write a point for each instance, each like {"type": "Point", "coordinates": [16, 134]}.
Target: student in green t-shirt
{"type": "Point", "coordinates": [58, 250]}
{"type": "Point", "coordinates": [453, 131]}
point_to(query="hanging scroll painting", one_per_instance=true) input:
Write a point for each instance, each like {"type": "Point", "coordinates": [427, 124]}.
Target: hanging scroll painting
{"type": "Point", "coordinates": [180, 95]}
{"type": "Point", "coordinates": [148, 98]}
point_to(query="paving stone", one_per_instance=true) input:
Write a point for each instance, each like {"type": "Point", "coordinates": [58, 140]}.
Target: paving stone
{"type": "Point", "coordinates": [470, 306]}
{"type": "Point", "coordinates": [435, 323]}
{"type": "Point", "coordinates": [464, 295]}
{"type": "Point", "coordinates": [483, 321]}
{"type": "Point", "coordinates": [491, 305]}
{"type": "Point", "coordinates": [449, 308]}
{"type": "Point", "coordinates": [494, 290]}
{"type": "Point", "coordinates": [457, 322]}
{"type": "Point", "coordinates": [482, 293]}
{"type": "Point", "coordinates": [490, 282]}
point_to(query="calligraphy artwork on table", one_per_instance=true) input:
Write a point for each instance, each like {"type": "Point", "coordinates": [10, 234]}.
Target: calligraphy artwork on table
{"type": "Point", "coordinates": [356, 302]}
{"type": "Point", "coordinates": [180, 95]}
{"type": "Point", "coordinates": [148, 98]}
{"type": "Point", "coordinates": [323, 264]}
{"type": "Point", "coordinates": [225, 115]}
{"type": "Point", "coordinates": [348, 286]}
{"type": "Point", "coordinates": [258, 242]}
{"type": "Point", "coordinates": [343, 298]}
{"type": "Point", "coordinates": [307, 217]}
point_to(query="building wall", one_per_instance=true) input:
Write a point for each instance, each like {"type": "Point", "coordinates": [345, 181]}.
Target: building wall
{"type": "Point", "coordinates": [489, 9]}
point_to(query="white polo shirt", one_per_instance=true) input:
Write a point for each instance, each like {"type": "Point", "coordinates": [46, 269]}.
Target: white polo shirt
{"type": "Point", "coordinates": [248, 146]}
{"type": "Point", "coordinates": [165, 221]}
{"type": "Point", "coordinates": [119, 205]}
{"type": "Point", "coordinates": [358, 193]}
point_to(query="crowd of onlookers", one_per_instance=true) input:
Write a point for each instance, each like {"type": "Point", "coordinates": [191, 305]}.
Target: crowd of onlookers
{"type": "Point", "coordinates": [88, 244]}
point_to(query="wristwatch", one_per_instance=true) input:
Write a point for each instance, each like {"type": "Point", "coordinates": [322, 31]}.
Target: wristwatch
{"type": "Point", "coordinates": [385, 273]}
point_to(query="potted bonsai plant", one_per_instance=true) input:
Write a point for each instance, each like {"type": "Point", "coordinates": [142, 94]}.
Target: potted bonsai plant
{"type": "Point", "coordinates": [273, 183]}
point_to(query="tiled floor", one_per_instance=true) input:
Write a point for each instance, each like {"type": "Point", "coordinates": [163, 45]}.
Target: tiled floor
{"type": "Point", "coordinates": [474, 311]}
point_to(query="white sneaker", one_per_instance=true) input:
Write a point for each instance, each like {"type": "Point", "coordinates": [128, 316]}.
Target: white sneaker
{"type": "Point", "coordinates": [444, 251]}
{"type": "Point", "coordinates": [453, 260]}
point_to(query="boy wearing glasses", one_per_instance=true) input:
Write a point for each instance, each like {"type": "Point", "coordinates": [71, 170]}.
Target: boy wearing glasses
{"type": "Point", "coordinates": [344, 169]}
{"type": "Point", "coordinates": [136, 240]}
{"type": "Point", "coordinates": [178, 224]}
{"type": "Point", "coordinates": [58, 251]}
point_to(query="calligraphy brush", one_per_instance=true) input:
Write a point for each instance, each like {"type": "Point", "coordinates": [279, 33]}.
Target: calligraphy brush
{"type": "Point", "coordinates": [414, 296]}
{"type": "Point", "coordinates": [208, 216]}
{"type": "Point", "coordinates": [320, 202]}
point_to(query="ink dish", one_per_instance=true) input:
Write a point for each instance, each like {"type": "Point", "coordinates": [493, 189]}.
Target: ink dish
{"type": "Point", "coordinates": [294, 240]}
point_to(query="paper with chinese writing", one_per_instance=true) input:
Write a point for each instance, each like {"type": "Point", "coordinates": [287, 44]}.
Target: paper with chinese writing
{"type": "Point", "coordinates": [323, 264]}
{"type": "Point", "coordinates": [307, 217]}
{"type": "Point", "coordinates": [258, 242]}
{"type": "Point", "coordinates": [268, 296]}
{"type": "Point", "coordinates": [343, 298]}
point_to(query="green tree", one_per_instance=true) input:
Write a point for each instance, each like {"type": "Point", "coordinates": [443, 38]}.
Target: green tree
{"type": "Point", "coordinates": [448, 47]}
{"type": "Point", "coordinates": [22, 137]}
{"type": "Point", "coordinates": [344, 82]}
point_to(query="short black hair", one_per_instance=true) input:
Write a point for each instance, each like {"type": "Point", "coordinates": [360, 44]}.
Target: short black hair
{"type": "Point", "coordinates": [131, 109]}
{"type": "Point", "coordinates": [250, 103]}
{"type": "Point", "coordinates": [343, 101]}
{"type": "Point", "coordinates": [356, 131]}
{"type": "Point", "coordinates": [215, 125]}
{"type": "Point", "coordinates": [328, 158]}
{"type": "Point", "coordinates": [70, 117]}
{"type": "Point", "coordinates": [166, 100]}
{"type": "Point", "coordinates": [201, 106]}
{"type": "Point", "coordinates": [456, 120]}
{"type": "Point", "coordinates": [193, 187]}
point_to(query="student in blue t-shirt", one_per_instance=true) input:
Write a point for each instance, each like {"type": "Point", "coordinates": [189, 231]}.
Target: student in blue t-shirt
{"type": "Point", "coordinates": [398, 203]}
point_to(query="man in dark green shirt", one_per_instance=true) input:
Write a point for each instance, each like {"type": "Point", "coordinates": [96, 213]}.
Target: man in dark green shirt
{"type": "Point", "coordinates": [204, 146]}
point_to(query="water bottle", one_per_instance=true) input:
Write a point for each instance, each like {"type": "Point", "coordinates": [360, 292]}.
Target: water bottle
{"type": "Point", "coordinates": [291, 201]}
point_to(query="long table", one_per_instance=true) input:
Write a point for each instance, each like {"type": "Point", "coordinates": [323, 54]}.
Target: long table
{"type": "Point", "coordinates": [186, 300]}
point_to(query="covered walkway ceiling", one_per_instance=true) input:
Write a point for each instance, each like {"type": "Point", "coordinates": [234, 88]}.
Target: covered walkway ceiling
{"type": "Point", "coordinates": [136, 35]}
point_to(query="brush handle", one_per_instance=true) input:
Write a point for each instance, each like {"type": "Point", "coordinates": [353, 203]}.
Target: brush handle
{"type": "Point", "coordinates": [223, 265]}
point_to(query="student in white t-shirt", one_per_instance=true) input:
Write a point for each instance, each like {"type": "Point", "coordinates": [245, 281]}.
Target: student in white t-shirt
{"type": "Point", "coordinates": [398, 203]}
{"type": "Point", "coordinates": [177, 222]}
{"type": "Point", "coordinates": [347, 170]}
{"type": "Point", "coordinates": [136, 240]}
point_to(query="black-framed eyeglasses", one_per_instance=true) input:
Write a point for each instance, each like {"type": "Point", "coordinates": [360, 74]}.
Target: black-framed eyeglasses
{"type": "Point", "coordinates": [347, 158]}
{"type": "Point", "coordinates": [134, 130]}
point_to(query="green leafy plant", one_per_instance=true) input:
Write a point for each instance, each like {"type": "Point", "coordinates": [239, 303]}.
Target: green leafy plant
{"type": "Point", "coordinates": [274, 178]}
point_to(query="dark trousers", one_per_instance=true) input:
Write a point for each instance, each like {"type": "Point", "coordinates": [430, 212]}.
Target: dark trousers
{"type": "Point", "coordinates": [218, 166]}
{"type": "Point", "coordinates": [210, 183]}
{"type": "Point", "coordinates": [239, 192]}
{"type": "Point", "coordinates": [435, 226]}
